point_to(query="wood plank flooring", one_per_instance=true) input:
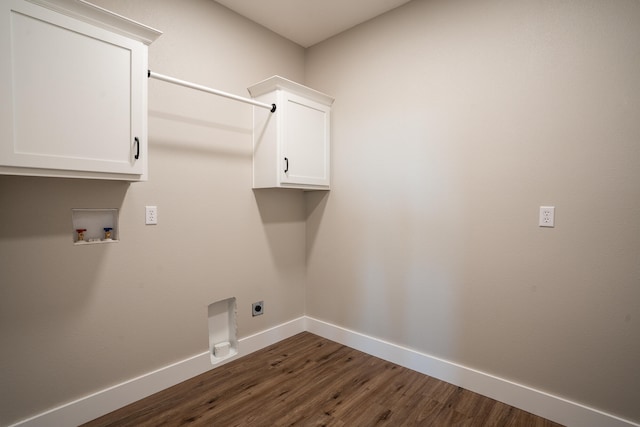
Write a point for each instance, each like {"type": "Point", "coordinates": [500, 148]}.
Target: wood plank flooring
{"type": "Point", "coordinates": [307, 380]}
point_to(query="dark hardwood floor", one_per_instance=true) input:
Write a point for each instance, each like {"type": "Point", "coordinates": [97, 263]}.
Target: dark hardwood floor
{"type": "Point", "coordinates": [310, 381]}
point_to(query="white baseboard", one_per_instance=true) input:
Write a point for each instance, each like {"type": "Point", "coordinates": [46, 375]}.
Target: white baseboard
{"type": "Point", "coordinates": [537, 402]}
{"type": "Point", "coordinates": [97, 404]}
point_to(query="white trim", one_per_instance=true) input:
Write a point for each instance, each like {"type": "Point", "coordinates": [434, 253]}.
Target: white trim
{"type": "Point", "coordinates": [98, 16]}
{"type": "Point", "coordinates": [537, 402]}
{"type": "Point", "coordinates": [97, 404]}
{"type": "Point", "coordinates": [546, 405]}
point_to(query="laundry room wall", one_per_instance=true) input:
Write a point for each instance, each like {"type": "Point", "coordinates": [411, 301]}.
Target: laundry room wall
{"type": "Point", "coordinates": [77, 319]}
{"type": "Point", "coordinates": [454, 121]}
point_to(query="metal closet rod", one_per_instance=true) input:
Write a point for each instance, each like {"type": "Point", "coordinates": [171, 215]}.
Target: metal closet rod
{"type": "Point", "coordinates": [151, 74]}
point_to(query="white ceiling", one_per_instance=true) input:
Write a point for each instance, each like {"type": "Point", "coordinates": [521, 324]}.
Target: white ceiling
{"type": "Point", "coordinates": [308, 22]}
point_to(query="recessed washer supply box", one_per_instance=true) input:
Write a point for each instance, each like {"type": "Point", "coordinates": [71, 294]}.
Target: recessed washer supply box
{"type": "Point", "coordinates": [94, 226]}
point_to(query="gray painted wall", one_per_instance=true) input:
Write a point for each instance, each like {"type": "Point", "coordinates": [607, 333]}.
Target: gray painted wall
{"type": "Point", "coordinates": [453, 122]}
{"type": "Point", "coordinates": [75, 320]}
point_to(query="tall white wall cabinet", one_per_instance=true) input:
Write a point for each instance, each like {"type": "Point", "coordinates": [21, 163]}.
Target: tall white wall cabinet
{"type": "Point", "coordinates": [291, 147]}
{"type": "Point", "coordinates": [74, 91]}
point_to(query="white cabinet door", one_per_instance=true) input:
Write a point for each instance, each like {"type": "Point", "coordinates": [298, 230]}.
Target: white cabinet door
{"type": "Point", "coordinates": [305, 141]}
{"type": "Point", "coordinates": [291, 147]}
{"type": "Point", "coordinates": [77, 97]}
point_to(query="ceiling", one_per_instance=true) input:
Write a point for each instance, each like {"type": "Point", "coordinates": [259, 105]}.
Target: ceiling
{"type": "Point", "coordinates": [307, 22]}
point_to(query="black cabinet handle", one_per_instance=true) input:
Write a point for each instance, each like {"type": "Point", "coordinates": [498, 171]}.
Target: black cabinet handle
{"type": "Point", "coordinates": [286, 165]}
{"type": "Point", "coordinates": [137, 141]}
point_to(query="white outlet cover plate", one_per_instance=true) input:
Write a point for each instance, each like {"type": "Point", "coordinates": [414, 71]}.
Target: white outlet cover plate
{"type": "Point", "coordinates": [151, 215]}
{"type": "Point", "coordinates": [547, 216]}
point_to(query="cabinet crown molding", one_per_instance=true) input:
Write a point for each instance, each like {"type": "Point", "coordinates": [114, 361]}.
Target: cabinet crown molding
{"type": "Point", "coordinates": [277, 82]}
{"type": "Point", "coordinates": [103, 18]}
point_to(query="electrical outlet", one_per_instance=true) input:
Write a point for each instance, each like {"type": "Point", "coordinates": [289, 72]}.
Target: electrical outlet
{"type": "Point", "coordinates": [151, 215]}
{"type": "Point", "coordinates": [547, 216]}
{"type": "Point", "coordinates": [257, 308]}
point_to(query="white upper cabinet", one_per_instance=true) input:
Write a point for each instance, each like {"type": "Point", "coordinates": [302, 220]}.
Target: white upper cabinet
{"type": "Point", "coordinates": [291, 147]}
{"type": "Point", "coordinates": [74, 91]}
